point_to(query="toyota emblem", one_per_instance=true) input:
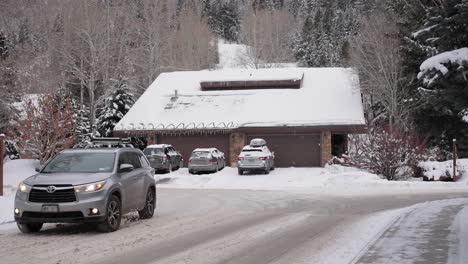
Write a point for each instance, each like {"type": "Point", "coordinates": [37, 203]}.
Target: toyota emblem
{"type": "Point", "coordinates": [51, 189]}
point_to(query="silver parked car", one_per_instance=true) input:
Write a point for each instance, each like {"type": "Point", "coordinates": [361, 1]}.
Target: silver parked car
{"type": "Point", "coordinates": [206, 159]}
{"type": "Point", "coordinates": [256, 157]}
{"type": "Point", "coordinates": [163, 157]}
{"type": "Point", "coordinates": [87, 186]}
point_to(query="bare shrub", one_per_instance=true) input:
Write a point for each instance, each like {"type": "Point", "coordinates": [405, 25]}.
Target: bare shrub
{"type": "Point", "coordinates": [46, 128]}
{"type": "Point", "coordinates": [387, 153]}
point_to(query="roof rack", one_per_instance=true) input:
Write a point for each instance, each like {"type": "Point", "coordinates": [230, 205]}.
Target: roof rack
{"type": "Point", "coordinates": [111, 142]}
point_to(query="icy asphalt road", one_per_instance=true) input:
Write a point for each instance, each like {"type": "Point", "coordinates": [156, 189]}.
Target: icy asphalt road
{"type": "Point", "coordinates": [213, 226]}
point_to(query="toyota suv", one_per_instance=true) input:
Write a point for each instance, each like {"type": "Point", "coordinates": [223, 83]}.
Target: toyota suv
{"type": "Point", "coordinates": [87, 186]}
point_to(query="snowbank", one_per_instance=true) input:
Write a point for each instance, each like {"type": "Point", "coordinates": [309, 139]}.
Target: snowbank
{"type": "Point", "coordinates": [434, 170]}
{"type": "Point", "coordinates": [332, 179]}
{"type": "Point", "coordinates": [14, 171]}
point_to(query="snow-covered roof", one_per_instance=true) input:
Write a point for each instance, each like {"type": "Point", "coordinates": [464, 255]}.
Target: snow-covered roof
{"type": "Point", "coordinates": [327, 97]}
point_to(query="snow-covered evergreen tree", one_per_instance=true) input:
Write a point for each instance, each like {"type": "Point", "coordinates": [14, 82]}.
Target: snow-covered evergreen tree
{"type": "Point", "coordinates": [443, 38]}
{"type": "Point", "coordinates": [323, 40]}
{"type": "Point", "coordinates": [114, 107]}
{"type": "Point", "coordinates": [224, 19]}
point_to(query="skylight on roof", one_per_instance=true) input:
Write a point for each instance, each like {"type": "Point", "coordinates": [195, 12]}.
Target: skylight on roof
{"type": "Point", "coordinates": [219, 85]}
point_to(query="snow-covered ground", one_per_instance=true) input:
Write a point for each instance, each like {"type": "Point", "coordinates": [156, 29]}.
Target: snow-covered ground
{"type": "Point", "coordinates": [333, 179]}
{"type": "Point", "coordinates": [431, 232]}
{"type": "Point", "coordinates": [14, 172]}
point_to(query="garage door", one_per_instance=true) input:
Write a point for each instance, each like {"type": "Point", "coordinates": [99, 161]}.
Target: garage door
{"type": "Point", "coordinates": [293, 150]}
{"type": "Point", "coordinates": [186, 144]}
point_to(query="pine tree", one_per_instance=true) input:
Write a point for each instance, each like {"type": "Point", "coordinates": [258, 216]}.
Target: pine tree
{"type": "Point", "coordinates": [323, 40]}
{"type": "Point", "coordinates": [115, 106]}
{"type": "Point", "coordinates": [224, 19]}
{"type": "Point", "coordinates": [444, 77]}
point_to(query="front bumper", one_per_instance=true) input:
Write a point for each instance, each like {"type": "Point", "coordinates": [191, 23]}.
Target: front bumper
{"type": "Point", "coordinates": [73, 212]}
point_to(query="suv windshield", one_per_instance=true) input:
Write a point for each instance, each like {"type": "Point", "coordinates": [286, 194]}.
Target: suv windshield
{"type": "Point", "coordinates": [81, 163]}
{"type": "Point", "coordinates": [153, 151]}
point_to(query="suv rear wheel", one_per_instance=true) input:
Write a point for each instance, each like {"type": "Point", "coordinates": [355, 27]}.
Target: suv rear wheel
{"type": "Point", "coordinates": [150, 205]}
{"type": "Point", "coordinates": [30, 228]}
{"type": "Point", "coordinates": [113, 215]}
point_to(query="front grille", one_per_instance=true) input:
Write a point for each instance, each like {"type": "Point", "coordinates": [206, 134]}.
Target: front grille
{"type": "Point", "coordinates": [52, 215]}
{"type": "Point", "coordinates": [59, 196]}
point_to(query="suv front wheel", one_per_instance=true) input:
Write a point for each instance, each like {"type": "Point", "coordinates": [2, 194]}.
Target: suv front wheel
{"type": "Point", "coordinates": [113, 215]}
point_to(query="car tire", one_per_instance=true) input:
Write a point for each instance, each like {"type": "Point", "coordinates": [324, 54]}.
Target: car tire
{"type": "Point", "coordinates": [241, 172]}
{"type": "Point", "coordinates": [191, 171]}
{"type": "Point", "coordinates": [267, 170]}
{"type": "Point", "coordinates": [150, 205]}
{"type": "Point", "coordinates": [169, 169]}
{"type": "Point", "coordinates": [113, 215]}
{"type": "Point", "coordinates": [30, 228]}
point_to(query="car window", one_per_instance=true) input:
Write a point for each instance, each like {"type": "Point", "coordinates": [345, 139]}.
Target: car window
{"type": "Point", "coordinates": [135, 160]}
{"type": "Point", "coordinates": [172, 151]}
{"type": "Point", "coordinates": [143, 160]}
{"type": "Point", "coordinates": [252, 150]}
{"type": "Point", "coordinates": [153, 151]}
{"type": "Point", "coordinates": [200, 154]}
{"type": "Point", "coordinates": [130, 158]}
{"type": "Point", "coordinates": [81, 163]}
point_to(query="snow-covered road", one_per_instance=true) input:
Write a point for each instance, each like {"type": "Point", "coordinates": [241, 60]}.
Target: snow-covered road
{"type": "Point", "coordinates": [432, 232]}
{"type": "Point", "coordinates": [226, 226]}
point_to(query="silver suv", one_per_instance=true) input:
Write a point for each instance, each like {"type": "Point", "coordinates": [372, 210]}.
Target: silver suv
{"type": "Point", "coordinates": [256, 157]}
{"type": "Point", "coordinates": [87, 186]}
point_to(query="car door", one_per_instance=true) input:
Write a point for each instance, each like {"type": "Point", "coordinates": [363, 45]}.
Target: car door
{"type": "Point", "coordinates": [139, 188]}
{"type": "Point", "coordinates": [216, 156]}
{"type": "Point", "coordinates": [269, 155]}
{"type": "Point", "coordinates": [129, 182]}
{"type": "Point", "coordinates": [175, 157]}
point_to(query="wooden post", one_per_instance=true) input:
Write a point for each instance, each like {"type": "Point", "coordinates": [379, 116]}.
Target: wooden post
{"type": "Point", "coordinates": [454, 150]}
{"type": "Point", "coordinates": [2, 154]}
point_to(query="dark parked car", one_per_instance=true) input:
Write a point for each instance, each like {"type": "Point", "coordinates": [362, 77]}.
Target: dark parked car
{"type": "Point", "coordinates": [206, 159]}
{"type": "Point", "coordinates": [93, 186]}
{"type": "Point", "coordinates": [163, 157]}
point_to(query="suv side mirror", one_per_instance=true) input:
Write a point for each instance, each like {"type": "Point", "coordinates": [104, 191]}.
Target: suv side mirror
{"type": "Point", "coordinates": [126, 168]}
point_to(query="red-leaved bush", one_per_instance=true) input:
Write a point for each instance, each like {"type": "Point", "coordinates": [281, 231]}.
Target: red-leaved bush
{"type": "Point", "coordinates": [46, 127]}
{"type": "Point", "coordinates": [387, 152]}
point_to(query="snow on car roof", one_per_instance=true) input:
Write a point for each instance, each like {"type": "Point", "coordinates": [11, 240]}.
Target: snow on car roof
{"type": "Point", "coordinates": [204, 149]}
{"type": "Point", "coordinates": [158, 146]}
{"type": "Point", "coordinates": [328, 96]}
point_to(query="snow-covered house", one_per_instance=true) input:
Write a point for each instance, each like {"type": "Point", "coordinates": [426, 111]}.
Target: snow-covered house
{"type": "Point", "coordinates": [304, 114]}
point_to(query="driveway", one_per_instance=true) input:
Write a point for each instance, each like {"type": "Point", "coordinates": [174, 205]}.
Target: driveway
{"type": "Point", "coordinates": [212, 226]}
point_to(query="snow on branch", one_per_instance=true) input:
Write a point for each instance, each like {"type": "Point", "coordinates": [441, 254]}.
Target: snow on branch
{"type": "Point", "coordinates": [439, 63]}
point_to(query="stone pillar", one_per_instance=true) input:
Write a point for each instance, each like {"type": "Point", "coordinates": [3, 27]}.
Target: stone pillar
{"type": "Point", "coordinates": [326, 147]}
{"type": "Point", "coordinates": [236, 143]}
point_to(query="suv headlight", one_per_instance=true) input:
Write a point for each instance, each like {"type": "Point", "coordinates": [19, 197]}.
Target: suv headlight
{"type": "Point", "coordinates": [24, 188]}
{"type": "Point", "coordinates": [91, 187]}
